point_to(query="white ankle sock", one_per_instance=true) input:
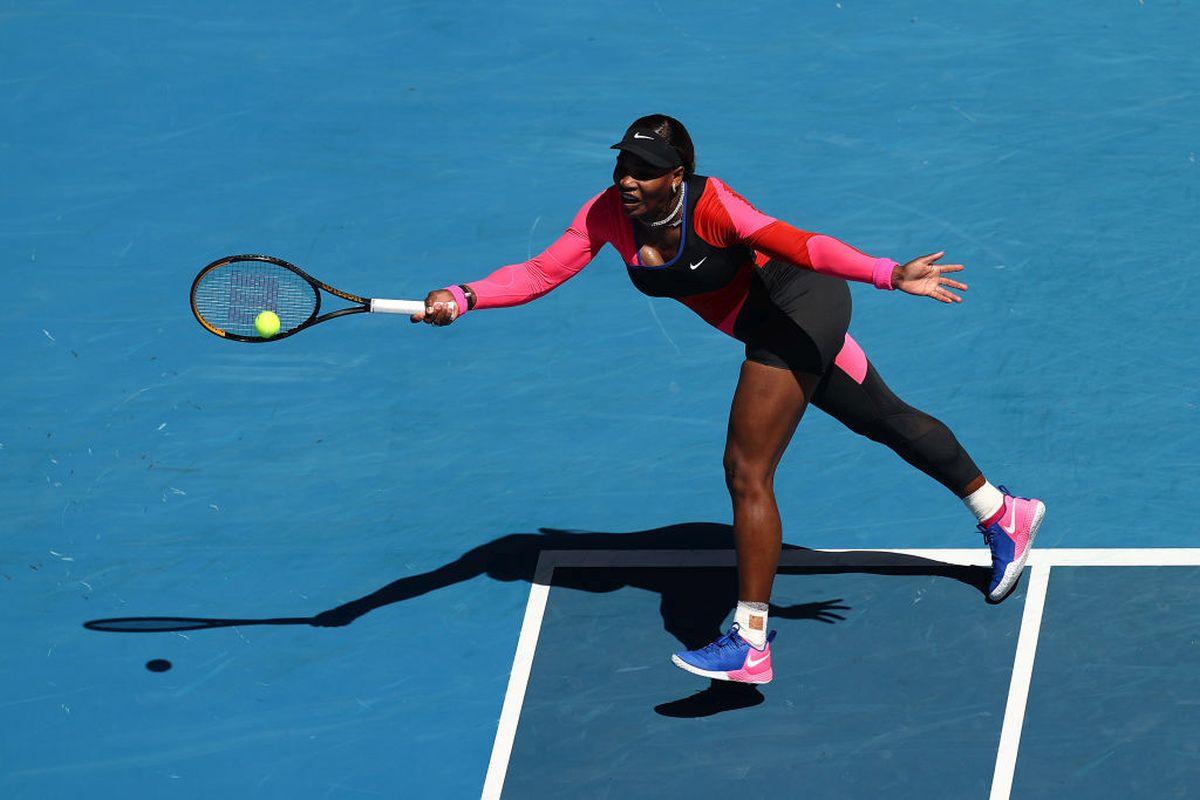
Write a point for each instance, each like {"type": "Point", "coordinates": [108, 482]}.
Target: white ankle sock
{"type": "Point", "coordinates": [752, 623]}
{"type": "Point", "coordinates": [985, 501]}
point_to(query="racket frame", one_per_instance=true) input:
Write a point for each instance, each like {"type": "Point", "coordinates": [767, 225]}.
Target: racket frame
{"type": "Point", "coordinates": [363, 304]}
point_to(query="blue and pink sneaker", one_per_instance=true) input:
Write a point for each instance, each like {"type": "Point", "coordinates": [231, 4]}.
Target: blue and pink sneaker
{"type": "Point", "coordinates": [1010, 534]}
{"type": "Point", "coordinates": [730, 658]}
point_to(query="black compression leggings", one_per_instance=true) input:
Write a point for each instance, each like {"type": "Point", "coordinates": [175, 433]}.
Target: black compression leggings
{"type": "Point", "coordinates": [871, 409]}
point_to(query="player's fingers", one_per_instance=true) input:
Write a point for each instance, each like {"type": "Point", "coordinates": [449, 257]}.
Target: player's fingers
{"type": "Point", "coordinates": [951, 267]}
{"type": "Point", "coordinates": [953, 284]}
{"type": "Point", "coordinates": [929, 259]}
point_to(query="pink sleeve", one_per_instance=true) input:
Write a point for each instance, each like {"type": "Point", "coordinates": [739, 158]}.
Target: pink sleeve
{"type": "Point", "coordinates": [822, 254]}
{"type": "Point", "coordinates": [746, 219]}
{"type": "Point", "coordinates": [838, 258]}
{"type": "Point", "coordinates": [571, 252]}
{"type": "Point", "coordinates": [780, 240]}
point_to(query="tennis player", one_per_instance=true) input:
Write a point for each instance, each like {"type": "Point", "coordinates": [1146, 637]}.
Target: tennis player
{"type": "Point", "coordinates": [782, 291]}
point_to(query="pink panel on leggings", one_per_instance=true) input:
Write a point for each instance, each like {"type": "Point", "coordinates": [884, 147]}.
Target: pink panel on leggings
{"type": "Point", "coordinates": [852, 360]}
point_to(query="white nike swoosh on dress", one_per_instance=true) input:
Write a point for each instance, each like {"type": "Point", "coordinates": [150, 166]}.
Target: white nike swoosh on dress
{"type": "Point", "coordinates": [698, 263]}
{"type": "Point", "coordinates": [750, 662]}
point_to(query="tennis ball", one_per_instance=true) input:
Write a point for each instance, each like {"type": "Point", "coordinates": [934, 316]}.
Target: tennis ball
{"type": "Point", "coordinates": [267, 324]}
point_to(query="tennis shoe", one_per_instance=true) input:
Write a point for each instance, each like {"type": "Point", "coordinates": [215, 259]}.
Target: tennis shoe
{"type": "Point", "coordinates": [729, 658]}
{"type": "Point", "coordinates": [1010, 535]}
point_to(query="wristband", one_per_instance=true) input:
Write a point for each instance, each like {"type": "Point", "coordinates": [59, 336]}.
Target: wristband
{"type": "Point", "coordinates": [881, 274]}
{"type": "Point", "coordinates": [460, 299]}
{"type": "Point", "coordinates": [472, 298]}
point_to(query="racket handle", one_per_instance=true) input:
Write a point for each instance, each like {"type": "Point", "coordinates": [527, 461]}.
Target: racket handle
{"type": "Point", "coordinates": [408, 307]}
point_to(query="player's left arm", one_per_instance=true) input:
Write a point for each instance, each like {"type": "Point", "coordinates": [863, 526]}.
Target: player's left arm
{"type": "Point", "coordinates": [825, 254]}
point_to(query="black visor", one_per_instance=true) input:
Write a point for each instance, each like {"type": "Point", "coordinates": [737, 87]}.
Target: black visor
{"type": "Point", "coordinates": [651, 148]}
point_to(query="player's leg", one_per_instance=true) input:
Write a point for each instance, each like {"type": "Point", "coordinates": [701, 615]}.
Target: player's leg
{"type": "Point", "coordinates": [871, 409]}
{"type": "Point", "coordinates": [767, 406]}
{"type": "Point", "coordinates": [864, 403]}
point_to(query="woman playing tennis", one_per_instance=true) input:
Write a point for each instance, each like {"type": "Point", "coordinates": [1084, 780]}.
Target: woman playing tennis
{"type": "Point", "coordinates": [782, 291]}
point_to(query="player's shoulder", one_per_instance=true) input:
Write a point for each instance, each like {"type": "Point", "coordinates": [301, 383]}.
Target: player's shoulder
{"type": "Point", "coordinates": [599, 214]}
{"type": "Point", "coordinates": [715, 194]}
{"type": "Point", "coordinates": [722, 191]}
{"type": "Point", "coordinates": [607, 199]}
{"type": "Point", "coordinates": [609, 194]}
{"type": "Point", "coordinates": [724, 206]}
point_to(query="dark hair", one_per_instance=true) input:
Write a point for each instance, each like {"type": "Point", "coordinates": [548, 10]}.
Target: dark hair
{"type": "Point", "coordinates": [676, 135]}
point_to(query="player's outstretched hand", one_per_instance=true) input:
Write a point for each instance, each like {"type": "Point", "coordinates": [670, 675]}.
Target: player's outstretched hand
{"type": "Point", "coordinates": [923, 277]}
{"type": "Point", "coordinates": [440, 309]}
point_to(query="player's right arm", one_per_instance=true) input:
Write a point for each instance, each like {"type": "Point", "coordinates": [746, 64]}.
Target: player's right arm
{"type": "Point", "coordinates": [515, 284]}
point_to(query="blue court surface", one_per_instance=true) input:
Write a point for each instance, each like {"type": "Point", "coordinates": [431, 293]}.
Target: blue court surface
{"type": "Point", "coordinates": [385, 560]}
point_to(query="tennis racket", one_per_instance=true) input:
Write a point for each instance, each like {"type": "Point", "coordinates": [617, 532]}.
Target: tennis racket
{"type": "Point", "coordinates": [231, 292]}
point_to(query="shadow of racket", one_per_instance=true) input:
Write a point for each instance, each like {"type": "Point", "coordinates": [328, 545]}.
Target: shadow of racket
{"type": "Point", "coordinates": [166, 624]}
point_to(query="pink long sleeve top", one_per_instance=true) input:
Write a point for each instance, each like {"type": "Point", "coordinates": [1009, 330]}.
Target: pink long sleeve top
{"type": "Point", "coordinates": [723, 241]}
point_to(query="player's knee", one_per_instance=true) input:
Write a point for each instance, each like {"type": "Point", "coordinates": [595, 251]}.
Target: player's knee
{"type": "Point", "coordinates": [898, 430]}
{"type": "Point", "coordinates": [747, 478]}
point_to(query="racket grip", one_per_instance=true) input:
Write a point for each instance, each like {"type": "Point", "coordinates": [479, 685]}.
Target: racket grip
{"type": "Point", "coordinates": [409, 307]}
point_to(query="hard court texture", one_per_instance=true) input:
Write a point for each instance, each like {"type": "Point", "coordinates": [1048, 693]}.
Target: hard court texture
{"type": "Point", "coordinates": [149, 469]}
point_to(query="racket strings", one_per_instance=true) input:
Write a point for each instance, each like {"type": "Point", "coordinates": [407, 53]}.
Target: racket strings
{"type": "Point", "coordinates": [232, 295]}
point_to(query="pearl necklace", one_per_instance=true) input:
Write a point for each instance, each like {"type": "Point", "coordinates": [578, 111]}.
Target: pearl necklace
{"type": "Point", "coordinates": [667, 219]}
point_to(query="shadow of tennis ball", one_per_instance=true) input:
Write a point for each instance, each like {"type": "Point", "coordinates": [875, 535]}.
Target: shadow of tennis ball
{"type": "Point", "coordinates": [158, 665]}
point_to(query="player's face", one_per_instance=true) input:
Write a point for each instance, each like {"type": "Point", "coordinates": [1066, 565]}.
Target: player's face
{"type": "Point", "coordinates": [646, 190]}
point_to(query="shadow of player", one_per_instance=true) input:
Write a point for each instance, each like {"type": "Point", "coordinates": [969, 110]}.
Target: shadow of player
{"type": "Point", "coordinates": [694, 601]}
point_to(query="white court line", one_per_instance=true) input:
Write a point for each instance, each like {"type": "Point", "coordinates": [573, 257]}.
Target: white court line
{"type": "Point", "coordinates": [518, 679]}
{"type": "Point", "coordinates": [1040, 561]}
{"type": "Point", "coordinates": [974, 557]}
{"type": "Point", "coordinates": [1018, 688]}
{"type": "Point", "coordinates": [1117, 557]}
{"type": "Point", "coordinates": [967, 557]}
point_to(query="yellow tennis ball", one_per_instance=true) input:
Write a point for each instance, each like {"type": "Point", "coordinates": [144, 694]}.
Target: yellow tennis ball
{"type": "Point", "coordinates": [267, 324]}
